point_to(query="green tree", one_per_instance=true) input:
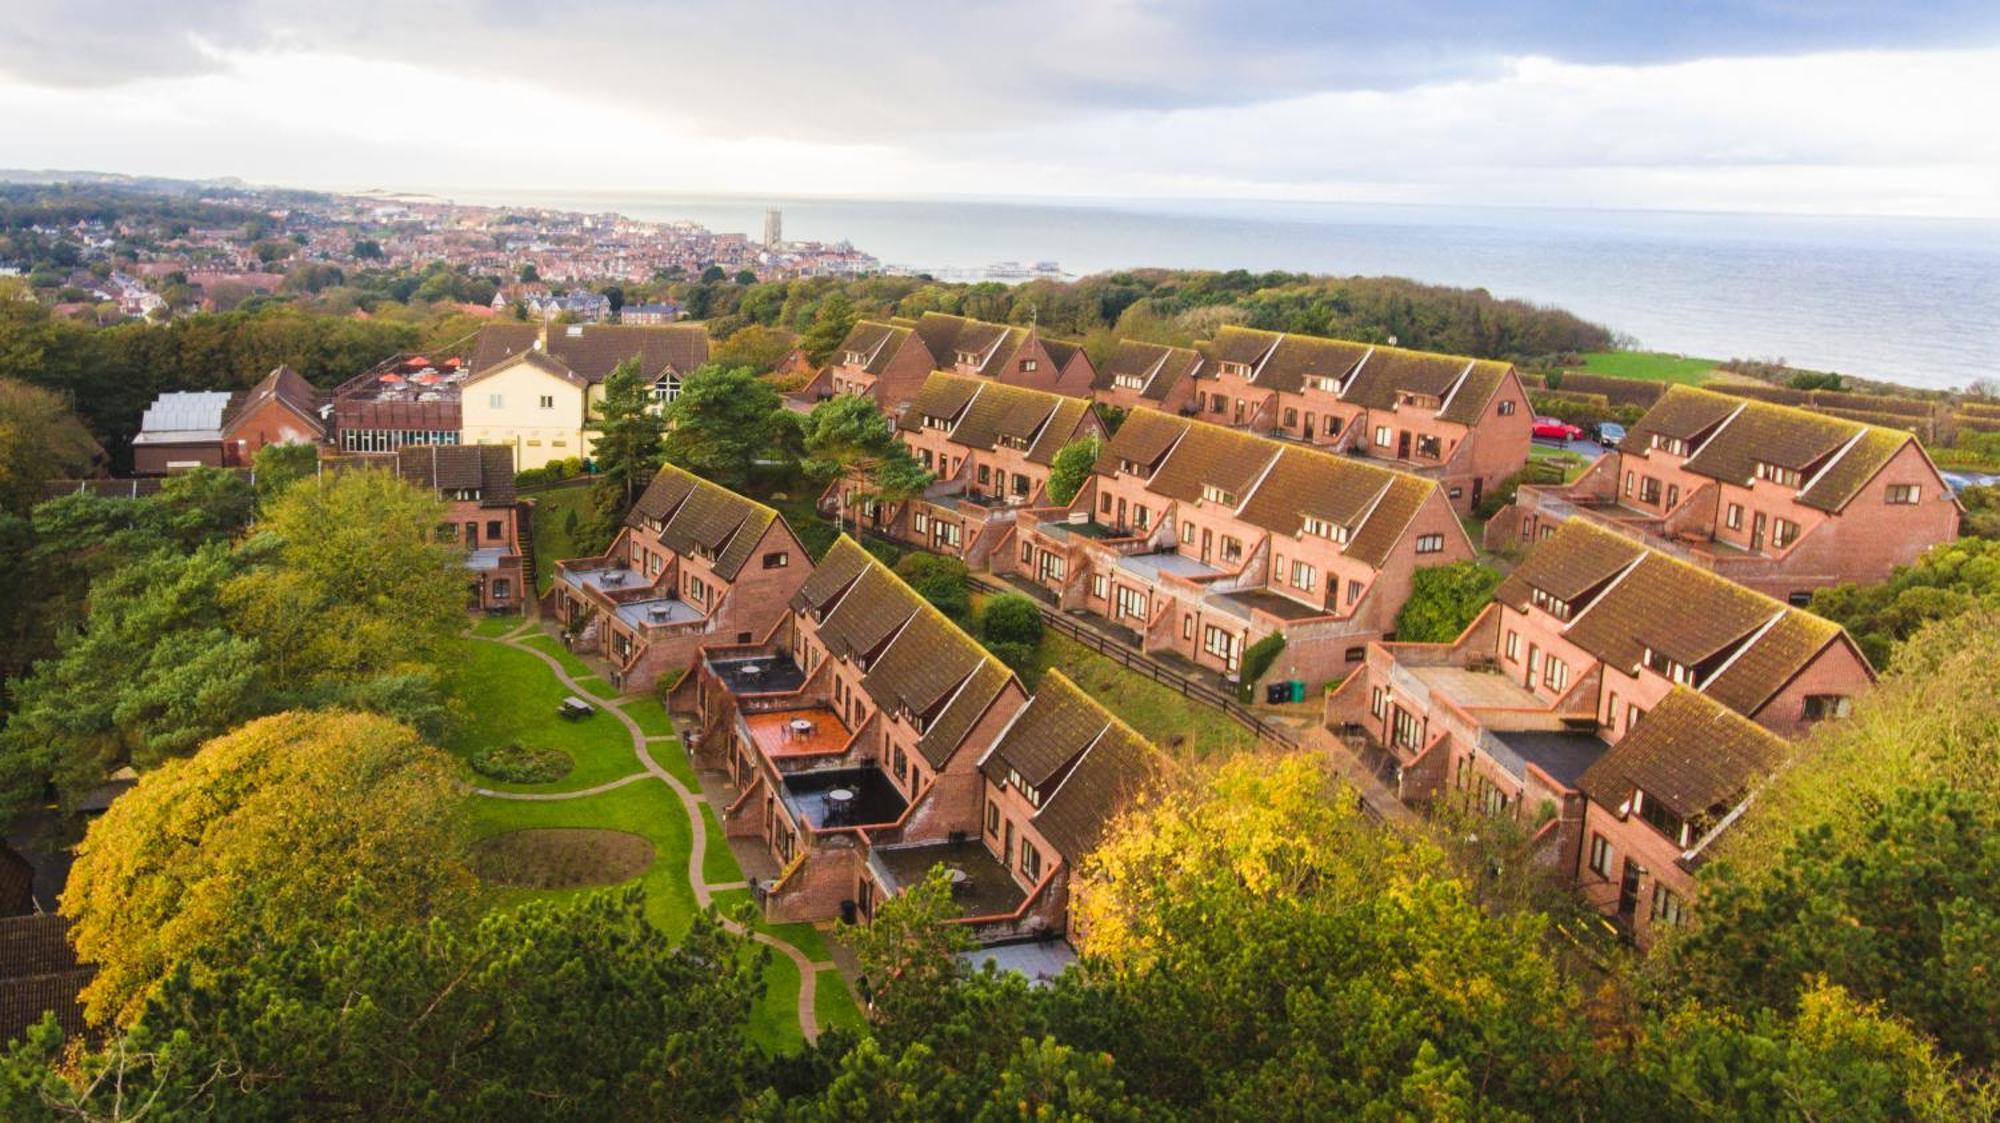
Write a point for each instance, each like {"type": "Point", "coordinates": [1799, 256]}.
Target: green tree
{"type": "Point", "coordinates": [278, 467]}
{"type": "Point", "coordinates": [357, 581]}
{"type": "Point", "coordinates": [831, 322]}
{"type": "Point", "coordinates": [1013, 618]}
{"type": "Point", "coordinates": [724, 420]}
{"type": "Point", "coordinates": [712, 275]}
{"type": "Point", "coordinates": [755, 346]}
{"type": "Point", "coordinates": [1070, 468]}
{"type": "Point", "coordinates": [630, 429]}
{"type": "Point", "coordinates": [1950, 579]}
{"type": "Point", "coordinates": [1444, 600]}
{"type": "Point", "coordinates": [579, 1010]}
{"type": "Point", "coordinates": [259, 832]}
{"type": "Point", "coordinates": [848, 438]}
{"type": "Point", "coordinates": [530, 275]}
{"type": "Point", "coordinates": [40, 439]}
{"type": "Point", "coordinates": [745, 277]}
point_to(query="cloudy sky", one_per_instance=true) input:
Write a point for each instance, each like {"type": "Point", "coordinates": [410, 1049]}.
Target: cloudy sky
{"type": "Point", "coordinates": [1780, 105]}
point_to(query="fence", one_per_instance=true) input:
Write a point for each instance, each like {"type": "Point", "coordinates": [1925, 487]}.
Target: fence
{"type": "Point", "coordinates": [1141, 663]}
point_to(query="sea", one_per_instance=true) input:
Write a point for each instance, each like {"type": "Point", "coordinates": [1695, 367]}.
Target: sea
{"type": "Point", "coordinates": [1905, 300]}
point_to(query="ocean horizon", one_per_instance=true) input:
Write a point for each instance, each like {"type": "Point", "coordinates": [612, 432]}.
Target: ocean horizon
{"type": "Point", "coordinates": [1908, 300]}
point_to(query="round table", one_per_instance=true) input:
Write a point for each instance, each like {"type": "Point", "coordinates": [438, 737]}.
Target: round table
{"type": "Point", "coordinates": [840, 797]}
{"type": "Point", "coordinates": [956, 876]}
{"type": "Point", "coordinates": [801, 727]}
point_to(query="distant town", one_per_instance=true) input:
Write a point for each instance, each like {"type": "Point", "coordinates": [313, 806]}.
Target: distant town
{"type": "Point", "coordinates": [234, 242]}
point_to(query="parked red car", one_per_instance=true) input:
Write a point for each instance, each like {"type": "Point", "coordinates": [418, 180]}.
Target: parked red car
{"type": "Point", "coordinates": [1556, 429]}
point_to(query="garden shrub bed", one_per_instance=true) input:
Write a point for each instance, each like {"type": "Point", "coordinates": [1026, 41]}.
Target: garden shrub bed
{"type": "Point", "coordinates": [517, 765]}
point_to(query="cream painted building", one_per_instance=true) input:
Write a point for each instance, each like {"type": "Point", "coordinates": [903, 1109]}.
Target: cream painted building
{"type": "Point", "coordinates": [532, 386]}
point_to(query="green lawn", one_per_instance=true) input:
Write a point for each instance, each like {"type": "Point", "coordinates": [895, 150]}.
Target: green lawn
{"type": "Point", "coordinates": [507, 695]}
{"type": "Point", "coordinates": [1573, 463]}
{"type": "Point", "coordinates": [718, 865]}
{"type": "Point", "coordinates": [1652, 366]}
{"type": "Point", "coordinates": [833, 1003]}
{"type": "Point", "coordinates": [650, 714]}
{"type": "Point", "coordinates": [577, 668]}
{"type": "Point", "coordinates": [552, 541]}
{"type": "Point", "coordinates": [1161, 714]}
{"type": "Point", "coordinates": [774, 1022]}
{"type": "Point", "coordinates": [646, 808]}
{"type": "Point", "coordinates": [804, 937]}
{"type": "Point", "coordinates": [495, 626]}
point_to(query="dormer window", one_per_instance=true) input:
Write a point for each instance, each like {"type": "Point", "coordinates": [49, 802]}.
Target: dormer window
{"type": "Point", "coordinates": [1783, 477]}
{"type": "Point", "coordinates": [1214, 494]}
{"type": "Point", "coordinates": [1322, 383]}
{"type": "Point", "coordinates": [932, 421]}
{"type": "Point", "coordinates": [1030, 364]}
{"type": "Point", "coordinates": [1128, 382]}
{"type": "Point", "coordinates": [1241, 370]}
{"type": "Point", "coordinates": [1134, 468]}
{"type": "Point", "coordinates": [1323, 528]}
{"type": "Point", "coordinates": [967, 359]}
{"type": "Point", "coordinates": [1675, 446]}
{"type": "Point", "coordinates": [1423, 401]}
{"type": "Point", "coordinates": [1015, 442]}
{"type": "Point", "coordinates": [1661, 665]}
{"type": "Point", "coordinates": [854, 359]}
{"type": "Point", "coordinates": [1554, 606]}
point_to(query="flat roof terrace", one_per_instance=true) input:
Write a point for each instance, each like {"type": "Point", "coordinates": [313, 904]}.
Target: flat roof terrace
{"type": "Point", "coordinates": [798, 731]}
{"type": "Point", "coordinates": [1484, 690]}
{"type": "Point", "coordinates": [1151, 567]}
{"type": "Point", "coordinates": [987, 889]}
{"type": "Point", "coordinates": [761, 674]}
{"type": "Point", "coordinates": [659, 612]}
{"type": "Point", "coordinates": [843, 797]}
{"type": "Point", "coordinates": [1263, 600]}
{"type": "Point", "coordinates": [1562, 755]}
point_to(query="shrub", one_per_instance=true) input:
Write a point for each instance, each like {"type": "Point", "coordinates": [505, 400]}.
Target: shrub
{"type": "Point", "coordinates": [517, 765]}
{"type": "Point", "coordinates": [1020, 657]}
{"type": "Point", "coordinates": [1257, 659]}
{"type": "Point", "coordinates": [884, 552]}
{"type": "Point", "coordinates": [1443, 600]}
{"type": "Point", "coordinates": [1013, 618]}
{"type": "Point", "coordinates": [940, 580]}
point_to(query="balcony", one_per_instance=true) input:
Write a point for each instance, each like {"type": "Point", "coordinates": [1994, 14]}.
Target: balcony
{"type": "Point", "coordinates": [759, 674]}
{"type": "Point", "coordinates": [659, 614]}
{"type": "Point", "coordinates": [840, 798]}
{"type": "Point", "coordinates": [796, 732]}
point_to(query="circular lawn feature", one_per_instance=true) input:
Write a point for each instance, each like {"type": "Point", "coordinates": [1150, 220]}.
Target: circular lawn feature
{"type": "Point", "coordinates": [517, 765]}
{"type": "Point", "coordinates": [561, 857]}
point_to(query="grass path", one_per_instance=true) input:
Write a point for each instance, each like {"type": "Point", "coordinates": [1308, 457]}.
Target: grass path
{"type": "Point", "coordinates": [710, 875]}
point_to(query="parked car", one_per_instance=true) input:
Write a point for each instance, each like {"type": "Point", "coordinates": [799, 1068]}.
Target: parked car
{"type": "Point", "coordinates": [1610, 434]}
{"type": "Point", "coordinates": [1556, 429]}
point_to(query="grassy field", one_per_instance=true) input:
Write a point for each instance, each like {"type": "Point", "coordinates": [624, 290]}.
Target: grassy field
{"type": "Point", "coordinates": [1161, 714]}
{"type": "Point", "coordinates": [1573, 463]}
{"type": "Point", "coordinates": [834, 1003]}
{"type": "Point", "coordinates": [552, 541]}
{"type": "Point", "coordinates": [507, 695]}
{"type": "Point", "coordinates": [576, 667]}
{"type": "Point", "coordinates": [1652, 366]}
{"type": "Point", "coordinates": [647, 809]}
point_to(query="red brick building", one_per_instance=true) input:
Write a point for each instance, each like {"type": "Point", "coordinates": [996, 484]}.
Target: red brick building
{"type": "Point", "coordinates": [1530, 711]}
{"type": "Point", "coordinates": [1149, 375]}
{"type": "Point", "coordinates": [218, 429]}
{"type": "Point", "coordinates": [1463, 422]}
{"type": "Point", "coordinates": [868, 739]}
{"type": "Point", "coordinates": [990, 446]}
{"type": "Point", "coordinates": [695, 564]}
{"type": "Point", "coordinates": [1199, 541]}
{"type": "Point", "coordinates": [889, 360]}
{"type": "Point", "coordinates": [1774, 497]}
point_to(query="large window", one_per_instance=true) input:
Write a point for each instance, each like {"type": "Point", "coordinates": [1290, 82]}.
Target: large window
{"type": "Point", "coordinates": [1430, 543]}
{"type": "Point", "coordinates": [1668, 907]}
{"type": "Point", "coordinates": [1600, 855]}
{"type": "Point", "coordinates": [1903, 493]}
{"type": "Point", "coordinates": [1031, 861]}
{"type": "Point", "coordinates": [1405, 730]}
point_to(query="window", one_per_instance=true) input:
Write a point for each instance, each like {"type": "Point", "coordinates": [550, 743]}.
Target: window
{"type": "Point", "coordinates": [1322, 528]}
{"type": "Point", "coordinates": [1405, 730]}
{"type": "Point", "coordinates": [1555, 673]}
{"type": "Point", "coordinates": [1131, 602]}
{"type": "Point", "coordinates": [1353, 592]}
{"type": "Point", "coordinates": [1673, 496]}
{"type": "Point", "coordinates": [920, 523]}
{"type": "Point", "coordinates": [1611, 710]}
{"type": "Point", "coordinates": [1660, 664]}
{"type": "Point", "coordinates": [1632, 716]}
{"type": "Point", "coordinates": [1027, 553]}
{"type": "Point", "coordinates": [1232, 549]}
{"type": "Point", "coordinates": [777, 559]}
{"type": "Point", "coordinates": [1031, 861]}
{"type": "Point", "coordinates": [1104, 502]}
{"type": "Point", "coordinates": [548, 401]}
{"type": "Point", "coordinates": [992, 817]}
{"type": "Point", "coordinates": [1649, 490]}
{"type": "Point", "coordinates": [1378, 702]}
{"type": "Point", "coordinates": [1903, 493]}
{"type": "Point", "coordinates": [493, 530]}
{"type": "Point", "coordinates": [1356, 654]}
{"type": "Point", "coordinates": [947, 534]}
{"type": "Point", "coordinates": [1600, 855]}
{"type": "Point", "coordinates": [1734, 518]}
{"type": "Point", "coordinates": [1668, 907]}
{"type": "Point", "coordinates": [1430, 543]}
{"type": "Point", "coordinates": [1128, 381]}
{"type": "Point", "coordinates": [1030, 364]}
{"type": "Point", "coordinates": [502, 588]}
{"type": "Point", "coordinates": [496, 401]}
{"type": "Point", "coordinates": [1382, 435]}
{"type": "Point", "coordinates": [1217, 403]}
{"type": "Point", "coordinates": [985, 474]}
{"type": "Point", "coordinates": [1187, 533]}
{"type": "Point", "coordinates": [1506, 407]}
{"type": "Point", "coordinates": [1513, 646]}
{"type": "Point", "coordinates": [1821, 707]}
{"type": "Point", "coordinates": [1291, 418]}
{"type": "Point", "coordinates": [1628, 483]}
{"type": "Point", "coordinates": [1100, 586]}
{"type": "Point", "coordinates": [1677, 446]}
{"type": "Point", "coordinates": [1429, 448]}
{"type": "Point", "coordinates": [1187, 626]}
{"type": "Point", "coordinates": [1784, 532]}
{"type": "Point", "coordinates": [1303, 576]}
{"type": "Point", "coordinates": [1660, 817]}
{"type": "Point", "coordinates": [1214, 494]}
{"type": "Point", "coordinates": [902, 764]}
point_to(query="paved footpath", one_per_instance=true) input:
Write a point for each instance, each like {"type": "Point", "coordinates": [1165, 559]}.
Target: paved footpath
{"type": "Point", "coordinates": [691, 802]}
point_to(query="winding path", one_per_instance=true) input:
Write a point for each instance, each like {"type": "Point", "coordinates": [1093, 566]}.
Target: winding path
{"type": "Point", "coordinates": [704, 891]}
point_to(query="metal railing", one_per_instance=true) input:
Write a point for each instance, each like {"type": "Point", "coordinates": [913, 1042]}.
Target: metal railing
{"type": "Point", "coordinates": [1141, 663]}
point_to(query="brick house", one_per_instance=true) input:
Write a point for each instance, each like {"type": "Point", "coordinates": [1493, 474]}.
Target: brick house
{"type": "Point", "coordinates": [868, 739]}
{"type": "Point", "coordinates": [220, 429]}
{"type": "Point", "coordinates": [1582, 646]}
{"type": "Point", "coordinates": [1463, 422]}
{"type": "Point", "coordinates": [1774, 497]}
{"type": "Point", "coordinates": [695, 563]}
{"type": "Point", "coordinates": [485, 517]}
{"type": "Point", "coordinates": [1150, 375]}
{"type": "Point", "coordinates": [990, 446]}
{"type": "Point", "coordinates": [889, 360]}
{"type": "Point", "coordinates": [1198, 541]}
